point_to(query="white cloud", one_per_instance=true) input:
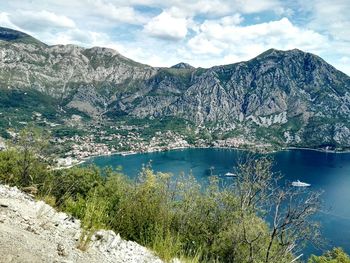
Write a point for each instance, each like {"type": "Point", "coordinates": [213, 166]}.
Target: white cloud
{"type": "Point", "coordinates": [255, 6]}
{"type": "Point", "coordinates": [231, 20]}
{"type": "Point", "coordinates": [167, 26]}
{"type": "Point", "coordinates": [216, 7]}
{"type": "Point", "coordinates": [6, 22]}
{"type": "Point", "coordinates": [121, 14]}
{"type": "Point", "coordinates": [36, 21]}
{"type": "Point", "coordinates": [329, 17]}
{"type": "Point", "coordinates": [242, 42]}
{"type": "Point", "coordinates": [342, 63]}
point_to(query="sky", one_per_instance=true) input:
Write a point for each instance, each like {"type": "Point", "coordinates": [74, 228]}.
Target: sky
{"type": "Point", "coordinates": [202, 33]}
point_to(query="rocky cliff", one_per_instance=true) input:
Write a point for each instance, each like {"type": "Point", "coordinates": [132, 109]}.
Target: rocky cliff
{"type": "Point", "coordinates": [292, 97]}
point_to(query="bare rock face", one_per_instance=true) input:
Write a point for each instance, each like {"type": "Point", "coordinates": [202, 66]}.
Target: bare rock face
{"type": "Point", "coordinates": [121, 250]}
{"type": "Point", "coordinates": [290, 91]}
{"type": "Point", "coordinates": [32, 231]}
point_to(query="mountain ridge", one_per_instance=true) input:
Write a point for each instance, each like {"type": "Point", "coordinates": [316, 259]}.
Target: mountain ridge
{"type": "Point", "coordinates": [182, 65]}
{"type": "Point", "coordinates": [283, 95]}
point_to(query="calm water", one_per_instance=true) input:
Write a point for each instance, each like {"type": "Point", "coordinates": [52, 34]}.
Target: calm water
{"type": "Point", "coordinates": [327, 171]}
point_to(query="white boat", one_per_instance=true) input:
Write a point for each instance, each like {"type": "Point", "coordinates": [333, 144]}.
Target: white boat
{"type": "Point", "coordinates": [300, 184]}
{"type": "Point", "coordinates": [127, 153]}
{"type": "Point", "coordinates": [230, 174]}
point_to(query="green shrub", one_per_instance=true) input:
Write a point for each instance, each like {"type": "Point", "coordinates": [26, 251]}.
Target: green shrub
{"type": "Point", "coordinates": [337, 255]}
{"type": "Point", "coordinates": [16, 171]}
{"type": "Point", "coordinates": [74, 183]}
{"type": "Point", "coordinates": [173, 215]}
{"type": "Point", "coordinates": [9, 170]}
{"type": "Point", "coordinates": [94, 217]}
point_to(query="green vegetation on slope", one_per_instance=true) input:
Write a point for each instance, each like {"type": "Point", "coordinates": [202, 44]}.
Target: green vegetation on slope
{"type": "Point", "coordinates": [173, 215]}
{"type": "Point", "coordinates": [337, 255]}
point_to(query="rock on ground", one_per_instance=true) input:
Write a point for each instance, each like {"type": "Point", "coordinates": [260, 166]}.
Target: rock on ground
{"type": "Point", "coordinates": [32, 231]}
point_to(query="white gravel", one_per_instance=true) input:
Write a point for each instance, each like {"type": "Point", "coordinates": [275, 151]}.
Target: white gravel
{"type": "Point", "coordinates": [32, 231]}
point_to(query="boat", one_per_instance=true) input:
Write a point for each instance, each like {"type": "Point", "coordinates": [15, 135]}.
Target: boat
{"type": "Point", "coordinates": [300, 184]}
{"type": "Point", "coordinates": [127, 153]}
{"type": "Point", "coordinates": [228, 174]}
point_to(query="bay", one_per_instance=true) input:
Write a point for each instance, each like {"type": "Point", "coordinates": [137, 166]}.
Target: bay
{"type": "Point", "coordinates": [329, 172]}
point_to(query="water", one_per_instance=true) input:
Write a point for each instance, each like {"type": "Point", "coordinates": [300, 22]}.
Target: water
{"type": "Point", "coordinates": [327, 171]}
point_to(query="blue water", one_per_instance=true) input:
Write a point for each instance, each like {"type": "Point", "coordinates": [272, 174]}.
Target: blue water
{"type": "Point", "coordinates": [329, 172]}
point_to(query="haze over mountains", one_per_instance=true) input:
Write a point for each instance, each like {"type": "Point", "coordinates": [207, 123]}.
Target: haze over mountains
{"type": "Point", "coordinates": [290, 97]}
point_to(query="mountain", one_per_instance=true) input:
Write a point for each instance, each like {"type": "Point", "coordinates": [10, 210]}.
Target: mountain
{"type": "Point", "coordinates": [11, 35]}
{"type": "Point", "coordinates": [183, 66]}
{"type": "Point", "coordinates": [291, 98]}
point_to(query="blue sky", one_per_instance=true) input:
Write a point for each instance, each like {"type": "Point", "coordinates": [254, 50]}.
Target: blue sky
{"type": "Point", "coordinates": [203, 33]}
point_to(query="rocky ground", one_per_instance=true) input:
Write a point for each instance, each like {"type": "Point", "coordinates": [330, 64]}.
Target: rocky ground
{"type": "Point", "coordinates": [32, 231]}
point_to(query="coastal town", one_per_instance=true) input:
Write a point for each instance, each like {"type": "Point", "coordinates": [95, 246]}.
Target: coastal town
{"type": "Point", "coordinates": [73, 140]}
{"type": "Point", "coordinates": [84, 147]}
{"type": "Point", "coordinates": [126, 139]}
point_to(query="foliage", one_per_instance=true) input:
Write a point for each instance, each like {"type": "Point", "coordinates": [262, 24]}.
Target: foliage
{"type": "Point", "coordinates": [175, 215]}
{"type": "Point", "coordinates": [337, 255]}
{"type": "Point", "coordinates": [74, 183]}
{"type": "Point", "coordinates": [93, 217]}
{"type": "Point", "coordinates": [24, 164]}
{"type": "Point", "coordinates": [9, 170]}
{"type": "Point", "coordinates": [287, 209]}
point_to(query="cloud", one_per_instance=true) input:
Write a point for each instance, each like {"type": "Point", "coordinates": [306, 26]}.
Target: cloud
{"type": "Point", "coordinates": [42, 20]}
{"type": "Point", "coordinates": [167, 26]}
{"type": "Point", "coordinates": [256, 6]}
{"type": "Point", "coordinates": [226, 38]}
{"type": "Point", "coordinates": [214, 8]}
{"type": "Point", "coordinates": [329, 18]}
{"type": "Point", "coordinates": [231, 20]}
{"type": "Point", "coordinates": [6, 22]}
{"type": "Point", "coordinates": [121, 14]}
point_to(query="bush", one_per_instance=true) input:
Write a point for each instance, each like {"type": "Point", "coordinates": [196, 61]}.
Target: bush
{"type": "Point", "coordinates": [173, 215]}
{"type": "Point", "coordinates": [14, 172]}
{"type": "Point", "coordinates": [9, 170]}
{"type": "Point", "coordinates": [337, 255]}
{"type": "Point", "coordinates": [74, 183]}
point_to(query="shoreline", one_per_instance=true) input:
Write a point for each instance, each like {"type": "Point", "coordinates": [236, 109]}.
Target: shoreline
{"type": "Point", "coordinates": [314, 150]}
{"type": "Point", "coordinates": [123, 153]}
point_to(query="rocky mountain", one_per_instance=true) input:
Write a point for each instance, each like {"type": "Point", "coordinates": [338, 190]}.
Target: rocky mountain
{"type": "Point", "coordinates": [183, 65]}
{"type": "Point", "coordinates": [290, 97]}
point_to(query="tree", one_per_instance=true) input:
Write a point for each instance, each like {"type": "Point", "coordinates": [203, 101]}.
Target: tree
{"type": "Point", "coordinates": [288, 209]}
{"type": "Point", "coordinates": [31, 144]}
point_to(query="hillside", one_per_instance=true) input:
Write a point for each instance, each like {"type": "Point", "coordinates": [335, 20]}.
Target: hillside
{"type": "Point", "coordinates": [285, 98]}
{"type": "Point", "coordinates": [32, 231]}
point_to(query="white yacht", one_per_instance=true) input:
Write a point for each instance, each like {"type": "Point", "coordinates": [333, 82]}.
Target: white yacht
{"type": "Point", "coordinates": [230, 174]}
{"type": "Point", "coordinates": [300, 184]}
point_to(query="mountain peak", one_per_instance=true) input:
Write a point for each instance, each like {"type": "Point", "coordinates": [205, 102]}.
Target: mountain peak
{"type": "Point", "coordinates": [11, 35]}
{"type": "Point", "coordinates": [104, 50]}
{"type": "Point", "coordinates": [183, 65]}
{"type": "Point", "coordinates": [272, 52]}
{"type": "Point", "coordinates": [8, 34]}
